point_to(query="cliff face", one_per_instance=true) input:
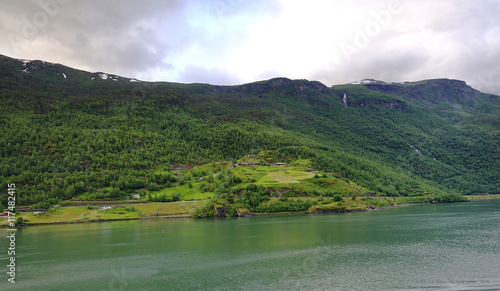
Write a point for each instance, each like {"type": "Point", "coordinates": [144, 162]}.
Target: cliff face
{"type": "Point", "coordinates": [307, 92]}
{"type": "Point", "coordinates": [297, 86]}
{"type": "Point", "coordinates": [314, 93]}
{"type": "Point", "coordinates": [280, 86]}
{"type": "Point", "coordinates": [451, 91]}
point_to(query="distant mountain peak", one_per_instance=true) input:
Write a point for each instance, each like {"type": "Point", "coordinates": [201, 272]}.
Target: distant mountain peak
{"type": "Point", "coordinates": [47, 70]}
{"type": "Point", "coordinates": [373, 81]}
{"type": "Point", "coordinates": [447, 90]}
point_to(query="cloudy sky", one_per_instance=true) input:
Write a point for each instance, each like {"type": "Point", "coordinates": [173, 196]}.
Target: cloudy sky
{"type": "Point", "coordinates": [230, 42]}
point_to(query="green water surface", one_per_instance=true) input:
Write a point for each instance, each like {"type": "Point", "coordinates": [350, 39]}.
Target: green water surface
{"type": "Point", "coordinates": [426, 247]}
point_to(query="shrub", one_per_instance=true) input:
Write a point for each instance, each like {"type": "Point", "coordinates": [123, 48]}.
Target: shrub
{"type": "Point", "coordinates": [375, 202]}
{"type": "Point", "coordinates": [450, 197]}
{"type": "Point", "coordinates": [252, 187]}
{"type": "Point", "coordinates": [41, 205]}
{"type": "Point", "coordinates": [337, 198]}
{"type": "Point", "coordinates": [115, 193]}
{"type": "Point", "coordinates": [283, 199]}
{"type": "Point", "coordinates": [153, 187]}
{"type": "Point", "coordinates": [285, 206]}
{"type": "Point", "coordinates": [204, 188]}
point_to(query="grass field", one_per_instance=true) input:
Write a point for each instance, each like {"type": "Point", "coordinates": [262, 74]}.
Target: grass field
{"type": "Point", "coordinates": [82, 214]}
{"type": "Point", "coordinates": [74, 214]}
{"type": "Point", "coordinates": [293, 177]}
{"type": "Point", "coordinates": [186, 193]}
{"type": "Point", "coordinates": [166, 209]}
{"type": "Point", "coordinates": [272, 176]}
{"type": "Point", "coordinates": [261, 175]}
{"type": "Point", "coordinates": [290, 176]}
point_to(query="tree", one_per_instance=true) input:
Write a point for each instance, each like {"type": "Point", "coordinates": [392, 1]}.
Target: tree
{"type": "Point", "coordinates": [254, 200]}
{"type": "Point", "coordinates": [115, 193]}
{"type": "Point", "coordinates": [337, 198]}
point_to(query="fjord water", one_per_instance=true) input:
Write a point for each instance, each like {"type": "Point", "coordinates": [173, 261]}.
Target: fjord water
{"type": "Point", "coordinates": [425, 247]}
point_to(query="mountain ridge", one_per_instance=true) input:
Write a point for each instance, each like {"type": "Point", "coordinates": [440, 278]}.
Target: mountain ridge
{"type": "Point", "coordinates": [30, 66]}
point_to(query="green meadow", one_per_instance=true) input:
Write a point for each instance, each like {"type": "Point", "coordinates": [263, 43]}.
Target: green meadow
{"type": "Point", "coordinates": [74, 214]}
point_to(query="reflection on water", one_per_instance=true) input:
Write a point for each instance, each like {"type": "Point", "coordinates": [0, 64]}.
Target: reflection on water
{"type": "Point", "coordinates": [429, 247]}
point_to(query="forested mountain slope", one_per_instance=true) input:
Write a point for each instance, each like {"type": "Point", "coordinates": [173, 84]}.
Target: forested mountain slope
{"type": "Point", "coordinates": [66, 132]}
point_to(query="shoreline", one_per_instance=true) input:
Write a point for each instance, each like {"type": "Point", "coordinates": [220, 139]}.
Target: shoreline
{"type": "Point", "coordinates": [100, 220]}
{"type": "Point", "coordinates": [483, 197]}
{"type": "Point", "coordinates": [326, 211]}
{"type": "Point", "coordinates": [333, 211]}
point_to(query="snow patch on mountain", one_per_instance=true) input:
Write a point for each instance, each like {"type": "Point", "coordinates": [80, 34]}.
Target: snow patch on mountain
{"type": "Point", "coordinates": [25, 64]}
{"type": "Point", "coordinates": [372, 81]}
{"type": "Point", "coordinates": [103, 76]}
{"type": "Point", "coordinates": [366, 81]}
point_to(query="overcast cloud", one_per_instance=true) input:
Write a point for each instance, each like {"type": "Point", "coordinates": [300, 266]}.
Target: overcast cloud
{"type": "Point", "coordinates": [239, 41]}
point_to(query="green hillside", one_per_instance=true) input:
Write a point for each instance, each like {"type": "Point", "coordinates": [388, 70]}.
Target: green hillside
{"type": "Point", "coordinates": [67, 133]}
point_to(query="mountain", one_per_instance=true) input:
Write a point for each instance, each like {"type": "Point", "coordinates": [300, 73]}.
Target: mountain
{"type": "Point", "coordinates": [67, 132]}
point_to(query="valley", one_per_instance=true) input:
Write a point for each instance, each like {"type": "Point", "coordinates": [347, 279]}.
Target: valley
{"type": "Point", "coordinates": [73, 135]}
